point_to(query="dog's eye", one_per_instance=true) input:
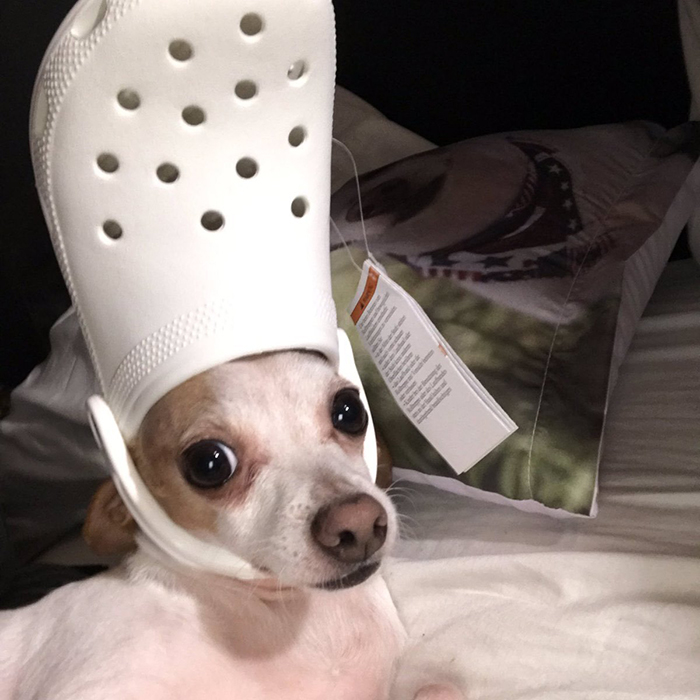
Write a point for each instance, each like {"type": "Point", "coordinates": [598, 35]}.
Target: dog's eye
{"type": "Point", "coordinates": [208, 464]}
{"type": "Point", "coordinates": [347, 413]}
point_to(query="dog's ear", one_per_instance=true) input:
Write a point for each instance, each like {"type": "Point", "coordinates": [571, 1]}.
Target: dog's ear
{"type": "Point", "coordinates": [109, 527]}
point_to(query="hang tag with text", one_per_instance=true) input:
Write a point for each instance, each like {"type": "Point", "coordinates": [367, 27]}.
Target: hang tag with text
{"type": "Point", "coordinates": [430, 383]}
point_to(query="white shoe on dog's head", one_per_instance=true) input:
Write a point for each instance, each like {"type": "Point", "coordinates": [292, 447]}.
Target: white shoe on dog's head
{"type": "Point", "coordinates": [182, 156]}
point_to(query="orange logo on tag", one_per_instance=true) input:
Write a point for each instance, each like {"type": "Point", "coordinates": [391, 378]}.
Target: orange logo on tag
{"type": "Point", "coordinates": [367, 294]}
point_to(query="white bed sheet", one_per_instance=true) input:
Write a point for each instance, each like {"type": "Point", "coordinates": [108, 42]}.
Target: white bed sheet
{"type": "Point", "coordinates": [520, 605]}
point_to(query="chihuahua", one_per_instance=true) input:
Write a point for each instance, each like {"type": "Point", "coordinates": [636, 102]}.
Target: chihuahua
{"type": "Point", "coordinates": [262, 456]}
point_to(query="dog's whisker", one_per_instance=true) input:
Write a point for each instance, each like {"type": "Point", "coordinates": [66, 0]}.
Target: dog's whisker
{"type": "Point", "coordinates": [407, 532]}
{"type": "Point", "coordinates": [404, 498]}
{"type": "Point", "coordinates": [405, 492]}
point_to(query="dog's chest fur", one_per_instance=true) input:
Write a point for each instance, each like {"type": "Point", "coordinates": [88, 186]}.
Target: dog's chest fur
{"type": "Point", "coordinates": [148, 640]}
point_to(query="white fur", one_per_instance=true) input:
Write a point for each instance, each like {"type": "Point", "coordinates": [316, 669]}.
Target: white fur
{"type": "Point", "coordinates": [144, 632]}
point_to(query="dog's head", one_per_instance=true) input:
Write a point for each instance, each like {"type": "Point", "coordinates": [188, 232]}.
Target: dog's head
{"type": "Point", "coordinates": [263, 456]}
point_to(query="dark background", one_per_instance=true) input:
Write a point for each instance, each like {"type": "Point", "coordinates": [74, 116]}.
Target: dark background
{"type": "Point", "coordinates": [447, 69]}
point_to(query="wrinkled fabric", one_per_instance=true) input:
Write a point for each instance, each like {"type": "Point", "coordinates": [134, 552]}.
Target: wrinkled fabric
{"type": "Point", "coordinates": [523, 606]}
{"type": "Point", "coordinates": [49, 462]}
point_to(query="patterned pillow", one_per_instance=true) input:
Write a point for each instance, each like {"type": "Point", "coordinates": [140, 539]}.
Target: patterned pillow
{"type": "Point", "coordinates": [534, 253]}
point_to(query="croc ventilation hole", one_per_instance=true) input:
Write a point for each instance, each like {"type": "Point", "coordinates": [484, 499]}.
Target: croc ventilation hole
{"type": "Point", "coordinates": [107, 163]}
{"type": "Point", "coordinates": [180, 50]}
{"type": "Point", "coordinates": [193, 115]}
{"type": "Point", "coordinates": [246, 168]}
{"type": "Point", "coordinates": [168, 173]}
{"type": "Point", "coordinates": [212, 220]}
{"type": "Point", "coordinates": [246, 89]}
{"type": "Point", "coordinates": [251, 24]}
{"type": "Point", "coordinates": [299, 207]}
{"type": "Point", "coordinates": [88, 19]}
{"type": "Point", "coordinates": [296, 70]}
{"type": "Point", "coordinates": [297, 136]}
{"type": "Point", "coordinates": [129, 99]}
{"type": "Point", "coordinates": [112, 229]}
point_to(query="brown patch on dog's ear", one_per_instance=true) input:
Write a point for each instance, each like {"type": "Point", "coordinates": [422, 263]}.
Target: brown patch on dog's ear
{"type": "Point", "coordinates": [384, 464]}
{"type": "Point", "coordinates": [109, 527]}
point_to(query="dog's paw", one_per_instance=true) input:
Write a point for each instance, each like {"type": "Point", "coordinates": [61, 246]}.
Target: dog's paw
{"type": "Point", "coordinates": [439, 691]}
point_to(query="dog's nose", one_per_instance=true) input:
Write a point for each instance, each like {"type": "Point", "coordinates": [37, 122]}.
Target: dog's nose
{"type": "Point", "coordinates": [352, 529]}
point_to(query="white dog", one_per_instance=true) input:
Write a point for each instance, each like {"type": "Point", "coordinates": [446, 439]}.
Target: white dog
{"type": "Point", "coordinates": [262, 456]}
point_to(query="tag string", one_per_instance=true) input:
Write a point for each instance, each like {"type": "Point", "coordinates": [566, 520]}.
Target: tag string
{"type": "Point", "coordinates": [345, 243]}
{"type": "Point", "coordinates": [337, 142]}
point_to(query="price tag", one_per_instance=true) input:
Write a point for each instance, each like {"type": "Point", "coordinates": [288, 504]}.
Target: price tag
{"type": "Point", "coordinates": [430, 383]}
